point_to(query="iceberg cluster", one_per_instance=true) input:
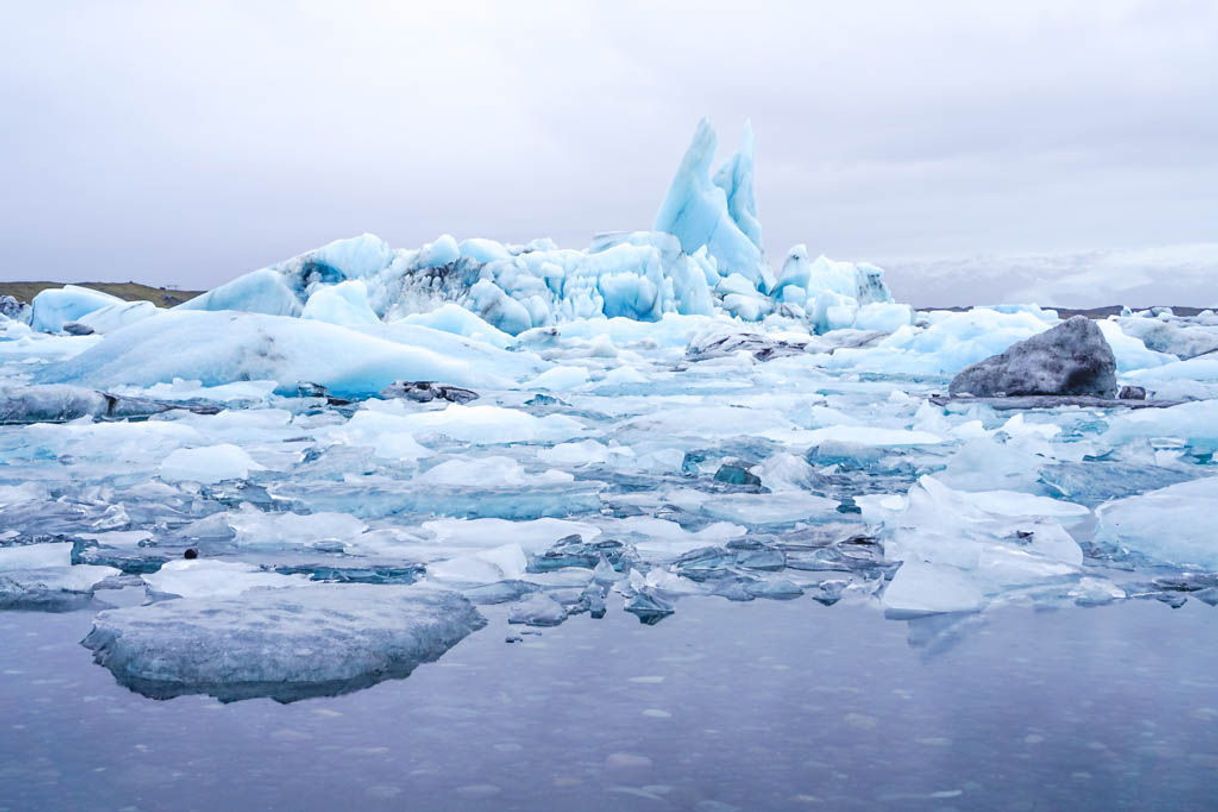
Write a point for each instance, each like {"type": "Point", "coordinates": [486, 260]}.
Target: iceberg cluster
{"type": "Point", "coordinates": [304, 481]}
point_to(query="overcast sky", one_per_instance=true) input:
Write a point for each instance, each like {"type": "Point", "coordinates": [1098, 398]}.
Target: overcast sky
{"type": "Point", "coordinates": [189, 142]}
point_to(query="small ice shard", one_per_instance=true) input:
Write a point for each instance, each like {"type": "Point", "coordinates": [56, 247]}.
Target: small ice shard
{"type": "Point", "coordinates": [705, 563]}
{"type": "Point", "coordinates": [573, 551]}
{"type": "Point", "coordinates": [856, 552]}
{"type": "Point", "coordinates": [828, 592]}
{"type": "Point", "coordinates": [286, 644]}
{"type": "Point", "coordinates": [1072, 358]}
{"type": "Point", "coordinates": [648, 606]}
{"type": "Point", "coordinates": [733, 473]}
{"type": "Point", "coordinates": [498, 592]}
{"type": "Point", "coordinates": [775, 589]}
{"type": "Point", "coordinates": [538, 609]}
{"type": "Point", "coordinates": [605, 573]}
{"type": "Point", "coordinates": [711, 563]}
{"type": "Point", "coordinates": [592, 600]}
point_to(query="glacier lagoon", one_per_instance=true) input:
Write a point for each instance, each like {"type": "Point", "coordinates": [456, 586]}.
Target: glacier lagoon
{"type": "Point", "coordinates": [774, 705]}
{"type": "Point", "coordinates": [378, 482]}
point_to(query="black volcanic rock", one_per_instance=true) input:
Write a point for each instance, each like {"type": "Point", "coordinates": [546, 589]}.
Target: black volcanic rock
{"type": "Point", "coordinates": [1072, 358]}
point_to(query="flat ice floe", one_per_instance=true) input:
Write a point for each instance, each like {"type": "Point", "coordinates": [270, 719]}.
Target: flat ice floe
{"type": "Point", "coordinates": [287, 644]}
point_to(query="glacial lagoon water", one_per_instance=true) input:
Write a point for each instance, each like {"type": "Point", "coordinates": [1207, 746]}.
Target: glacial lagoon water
{"type": "Point", "coordinates": [764, 705]}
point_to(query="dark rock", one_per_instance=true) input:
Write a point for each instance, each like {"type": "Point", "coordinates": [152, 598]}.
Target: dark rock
{"type": "Point", "coordinates": [1132, 393]}
{"type": "Point", "coordinates": [427, 391]}
{"type": "Point", "coordinates": [1072, 358]}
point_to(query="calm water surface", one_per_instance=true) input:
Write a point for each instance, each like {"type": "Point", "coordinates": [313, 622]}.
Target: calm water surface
{"type": "Point", "coordinates": [758, 706]}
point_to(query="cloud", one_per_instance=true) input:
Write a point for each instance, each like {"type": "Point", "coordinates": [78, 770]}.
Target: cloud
{"type": "Point", "coordinates": [191, 142]}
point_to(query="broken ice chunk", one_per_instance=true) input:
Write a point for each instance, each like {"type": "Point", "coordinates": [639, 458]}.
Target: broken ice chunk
{"type": "Point", "coordinates": [427, 391]}
{"type": "Point", "coordinates": [922, 588]}
{"type": "Point", "coordinates": [208, 464]}
{"type": "Point", "coordinates": [484, 567]}
{"type": "Point", "coordinates": [41, 577]}
{"type": "Point", "coordinates": [538, 609]}
{"type": "Point", "coordinates": [976, 546]}
{"type": "Point", "coordinates": [286, 644]}
{"type": "Point", "coordinates": [1171, 524]}
{"type": "Point", "coordinates": [649, 607]}
{"type": "Point", "coordinates": [573, 551]}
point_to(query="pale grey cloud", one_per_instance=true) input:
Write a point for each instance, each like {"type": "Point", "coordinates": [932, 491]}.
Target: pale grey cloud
{"type": "Point", "coordinates": [190, 142]}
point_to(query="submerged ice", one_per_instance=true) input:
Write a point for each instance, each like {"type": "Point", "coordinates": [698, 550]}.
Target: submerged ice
{"type": "Point", "coordinates": [303, 481]}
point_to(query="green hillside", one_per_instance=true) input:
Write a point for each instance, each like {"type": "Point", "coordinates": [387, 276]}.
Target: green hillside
{"type": "Point", "coordinates": [131, 291]}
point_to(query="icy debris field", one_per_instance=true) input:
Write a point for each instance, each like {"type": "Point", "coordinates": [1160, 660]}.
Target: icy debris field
{"type": "Point", "coordinates": [334, 471]}
{"type": "Point", "coordinates": [308, 479]}
{"type": "Point", "coordinates": [599, 465]}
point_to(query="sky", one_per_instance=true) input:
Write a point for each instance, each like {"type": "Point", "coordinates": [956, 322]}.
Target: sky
{"type": "Point", "coordinates": [186, 143]}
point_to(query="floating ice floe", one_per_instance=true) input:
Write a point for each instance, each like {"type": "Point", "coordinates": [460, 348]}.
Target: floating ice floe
{"type": "Point", "coordinates": [42, 577]}
{"type": "Point", "coordinates": [959, 550]}
{"type": "Point", "coordinates": [286, 644]}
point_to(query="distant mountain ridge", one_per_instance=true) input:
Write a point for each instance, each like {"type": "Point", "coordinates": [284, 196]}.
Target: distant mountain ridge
{"type": "Point", "coordinates": [1183, 274]}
